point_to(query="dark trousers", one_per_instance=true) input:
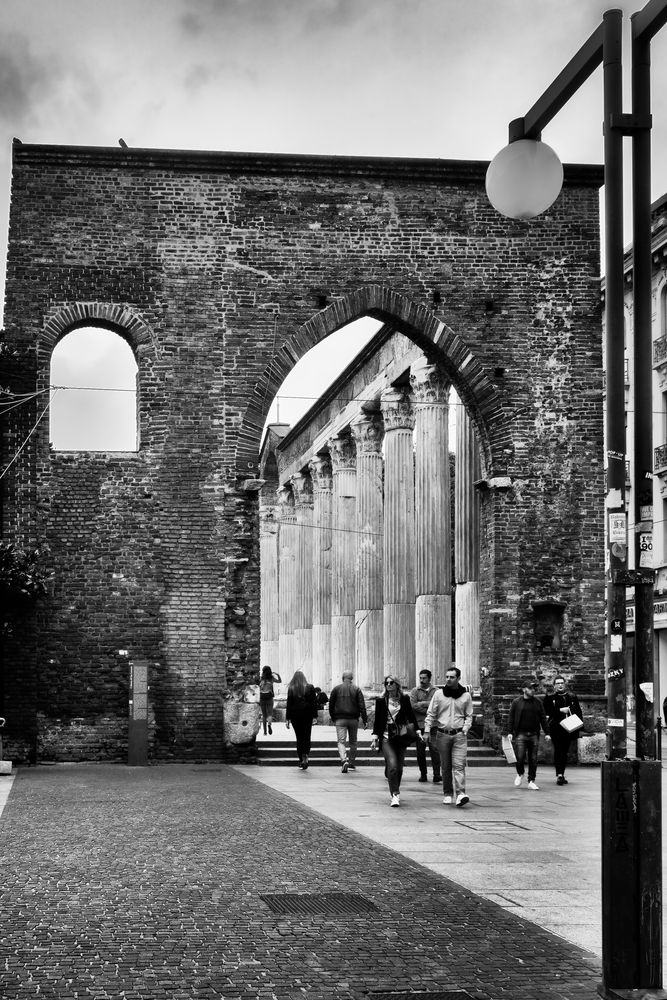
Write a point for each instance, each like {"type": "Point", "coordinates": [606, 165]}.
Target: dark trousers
{"type": "Point", "coordinates": [302, 726]}
{"type": "Point", "coordinates": [525, 746]}
{"type": "Point", "coordinates": [421, 756]}
{"type": "Point", "coordinates": [561, 745]}
{"type": "Point", "coordinates": [394, 758]}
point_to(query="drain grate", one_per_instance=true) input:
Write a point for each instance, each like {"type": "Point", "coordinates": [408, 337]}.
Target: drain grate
{"type": "Point", "coordinates": [426, 994]}
{"type": "Point", "coordinates": [327, 903]}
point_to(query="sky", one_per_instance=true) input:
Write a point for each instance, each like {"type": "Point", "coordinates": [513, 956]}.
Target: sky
{"type": "Point", "coordinates": [425, 78]}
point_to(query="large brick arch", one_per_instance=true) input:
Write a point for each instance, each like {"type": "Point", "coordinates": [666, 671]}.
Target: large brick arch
{"type": "Point", "coordinates": [416, 321]}
{"type": "Point", "coordinates": [222, 270]}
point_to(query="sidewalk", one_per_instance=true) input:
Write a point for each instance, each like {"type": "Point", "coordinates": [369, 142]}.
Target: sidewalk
{"type": "Point", "coordinates": [186, 881]}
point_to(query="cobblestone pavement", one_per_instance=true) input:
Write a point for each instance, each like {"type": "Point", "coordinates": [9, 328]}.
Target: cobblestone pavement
{"type": "Point", "coordinates": [147, 883]}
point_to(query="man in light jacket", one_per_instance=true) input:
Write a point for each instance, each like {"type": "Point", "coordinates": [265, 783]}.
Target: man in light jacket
{"type": "Point", "coordinates": [448, 719]}
{"type": "Point", "coordinates": [346, 706]}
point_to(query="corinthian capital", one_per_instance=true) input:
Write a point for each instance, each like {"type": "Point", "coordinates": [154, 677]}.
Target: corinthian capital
{"type": "Point", "coordinates": [367, 431]}
{"type": "Point", "coordinates": [343, 453]}
{"type": "Point", "coordinates": [397, 410]}
{"type": "Point", "coordinates": [429, 383]}
{"type": "Point", "coordinates": [320, 473]}
{"type": "Point", "coordinates": [302, 487]}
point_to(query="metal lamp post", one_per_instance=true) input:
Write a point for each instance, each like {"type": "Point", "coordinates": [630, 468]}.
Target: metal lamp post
{"type": "Point", "coordinates": [631, 789]}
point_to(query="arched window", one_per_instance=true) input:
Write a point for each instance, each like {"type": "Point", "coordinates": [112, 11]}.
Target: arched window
{"type": "Point", "coordinates": [93, 392]}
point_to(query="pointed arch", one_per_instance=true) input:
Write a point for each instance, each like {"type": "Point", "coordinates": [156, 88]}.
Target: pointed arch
{"type": "Point", "coordinates": [472, 383]}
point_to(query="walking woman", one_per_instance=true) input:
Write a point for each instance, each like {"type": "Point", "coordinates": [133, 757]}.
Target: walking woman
{"type": "Point", "coordinates": [266, 696]}
{"type": "Point", "coordinates": [300, 711]}
{"type": "Point", "coordinates": [394, 718]}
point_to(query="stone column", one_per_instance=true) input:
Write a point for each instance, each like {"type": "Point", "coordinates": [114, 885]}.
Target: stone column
{"type": "Point", "coordinates": [302, 489]}
{"type": "Point", "coordinates": [466, 549]}
{"type": "Point", "coordinates": [433, 609]}
{"type": "Point", "coordinates": [320, 472]}
{"type": "Point", "coordinates": [268, 600]}
{"type": "Point", "coordinates": [367, 431]}
{"type": "Point", "coordinates": [399, 535]}
{"type": "Point", "coordinates": [286, 580]}
{"type": "Point", "coordinates": [344, 468]}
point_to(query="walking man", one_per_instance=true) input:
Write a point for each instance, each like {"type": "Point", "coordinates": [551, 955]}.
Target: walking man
{"type": "Point", "coordinates": [557, 706]}
{"type": "Point", "coordinates": [449, 716]}
{"type": "Point", "coordinates": [346, 706]}
{"type": "Point", "coordinates": [420, 698]}
{"type": "Point", "coordinates": [526, 718]}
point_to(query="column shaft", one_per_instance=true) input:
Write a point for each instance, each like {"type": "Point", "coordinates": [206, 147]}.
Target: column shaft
{"type": "Point", "coordinates": [286, 580]}
{"type": "Point", "coordinates": [269, 625]}
{"type": "Point", "coordinates": [343, 462]}
{"type": "Point", "coordinates": [367, 432]}
{"type": "Point", "coordinates": [303, 611]}
{"type": "Point", "coordinates": [320, 471]}
{"type": "Point", "coordinates": [432, 520]}
{"type": "Point", "coordinates": [466, 549]}
{"type": "Point", "coordinates": [399, 536]}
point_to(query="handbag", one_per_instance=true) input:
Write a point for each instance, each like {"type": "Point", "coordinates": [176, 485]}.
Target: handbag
{"type": "Point", "coordinates": [571, 722]}
{"type": "Point", "coordinates": [508, 749]}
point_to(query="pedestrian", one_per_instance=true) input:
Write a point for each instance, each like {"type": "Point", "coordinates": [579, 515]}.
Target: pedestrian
{"type": "Point", "coordinates": [558, 706]}
{"type": "Point", "coordinates": [300, 711]}
{"type": "Point", "coordinates": [420, 698]}
{"type": "Point", "coordinates": [346, 706]}
{"type": "Point", "coordinates": [266, 696]}
{"type": "Point", "coordinates": [321, 699]}
{"type": "Point", "coordinates": [526, 718]}
{"type": "Point", "coordinates": [448, 720]}
{"type": "Point", "coordinates": [394, 720]}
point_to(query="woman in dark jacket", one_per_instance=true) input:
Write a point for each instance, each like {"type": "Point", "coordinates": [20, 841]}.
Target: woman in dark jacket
{"type": "Point", "coordinates": [392, 714]}
{"type": "Point", "coordinates": [300, 710]}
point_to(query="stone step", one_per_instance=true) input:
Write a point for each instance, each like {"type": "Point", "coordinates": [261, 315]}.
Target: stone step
{"type": "Point", "coordinates": [283, 753]}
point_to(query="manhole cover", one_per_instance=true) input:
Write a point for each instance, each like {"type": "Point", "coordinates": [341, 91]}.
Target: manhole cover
{"type": "Point", "coordinates": [485, 824]}
{"type": "Point", "coordinates": [327, 903]}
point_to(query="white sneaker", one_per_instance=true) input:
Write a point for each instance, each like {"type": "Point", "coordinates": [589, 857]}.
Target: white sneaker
{"type": "Point", "coordinates": [395, 800]}
{"type": "Point", "coordinates": [447, 800]}
{"type": "Point", "coordinates": [535, 788]}
{"type": "Point", "coordinates": [518, 780]}
{"type": "Point", "coordinates": [462, 798]}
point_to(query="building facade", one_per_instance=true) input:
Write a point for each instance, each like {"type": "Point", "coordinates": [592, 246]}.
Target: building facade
{"type": "Point", "coordinates": [222, 270]}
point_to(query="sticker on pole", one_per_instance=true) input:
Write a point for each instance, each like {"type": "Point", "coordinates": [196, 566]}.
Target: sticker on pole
{"type": "Point", "coordinates": [646, 550]}
{"type": "Point", "coordinates": [617, 528]}
{"type": "Point", "coordinates": [615, 723]}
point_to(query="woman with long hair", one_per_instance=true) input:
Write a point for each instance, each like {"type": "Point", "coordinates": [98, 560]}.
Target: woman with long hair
{"type": "Point", "coordinates": [300, 711]}
{"type": "Point", "coordinates": [266, 696]}
{"type": "Point", "coordinates": [393, 729]}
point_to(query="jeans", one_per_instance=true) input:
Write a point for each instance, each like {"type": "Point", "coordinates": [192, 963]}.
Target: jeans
{"type": "Point", "coordinates": [526, 744]}
{"type": "Point", "coordinates": [421, 756]}
{"type": "Point", "coordinates": [452, 751]}
{"type": "Point", "coordinates": [394, 757]}
{"type": "Point", "coordinates": [347, 728]}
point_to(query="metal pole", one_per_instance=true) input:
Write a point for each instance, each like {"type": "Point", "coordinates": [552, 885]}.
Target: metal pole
{"type": "Point", "coordinates": [643, 416]}
{"type": "Point", "coordinates": [615, 411]}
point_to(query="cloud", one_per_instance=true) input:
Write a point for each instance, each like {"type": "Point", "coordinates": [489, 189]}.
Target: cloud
{"type": "Point", "coordinates": [24, 80]}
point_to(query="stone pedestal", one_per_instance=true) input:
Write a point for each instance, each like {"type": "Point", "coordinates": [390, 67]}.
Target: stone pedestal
{"type": "Point", "coordinates": [367, 431]}
{"type": "Point", "coordinates": [399, 536]}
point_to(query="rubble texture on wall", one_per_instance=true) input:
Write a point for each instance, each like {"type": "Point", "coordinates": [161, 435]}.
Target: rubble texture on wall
{"type": "Point", "coordinates": [221, 271]}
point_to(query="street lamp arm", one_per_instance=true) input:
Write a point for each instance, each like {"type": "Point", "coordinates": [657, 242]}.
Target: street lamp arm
{"type": "Point", "coordinates": [556, 96]}
{"type": "Point", "coordinates": [647, 22]}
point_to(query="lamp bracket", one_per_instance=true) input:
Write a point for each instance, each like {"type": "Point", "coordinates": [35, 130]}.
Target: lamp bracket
{"type": "Point", "coordinates": [630, 124]}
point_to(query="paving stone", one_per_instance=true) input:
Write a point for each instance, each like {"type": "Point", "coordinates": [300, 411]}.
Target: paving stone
{"type": "Point", "coordinates": [145, 883]}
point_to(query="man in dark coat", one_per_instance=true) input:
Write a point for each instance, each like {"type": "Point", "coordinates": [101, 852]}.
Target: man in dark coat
{"type": "Point", "coordinates": [526, 718]}
{"type": "Point", "coordinates": [557, 706]}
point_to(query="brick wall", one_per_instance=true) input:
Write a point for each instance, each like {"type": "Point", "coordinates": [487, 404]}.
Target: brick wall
{"type": "Point", "coordinates": [204, 262]}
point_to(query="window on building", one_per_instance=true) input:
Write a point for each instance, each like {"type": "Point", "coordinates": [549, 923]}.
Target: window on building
{"type": "Point", "coordinates": [663, 311]}
{"type": "Point", "coordinates": [93, 392]}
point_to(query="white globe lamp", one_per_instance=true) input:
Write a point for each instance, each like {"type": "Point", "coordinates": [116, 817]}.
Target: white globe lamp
{"type": "Point", "coordinates": [524, 179]}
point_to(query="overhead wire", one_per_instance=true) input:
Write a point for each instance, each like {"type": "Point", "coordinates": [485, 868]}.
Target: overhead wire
{"type": "Point", "coordinates": [28, 436]}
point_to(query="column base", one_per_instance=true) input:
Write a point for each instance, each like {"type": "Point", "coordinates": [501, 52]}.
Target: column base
{"type": "Point", "coordinates": [369, 648]}
{"type": "Point", "coordinates": [433, 634]}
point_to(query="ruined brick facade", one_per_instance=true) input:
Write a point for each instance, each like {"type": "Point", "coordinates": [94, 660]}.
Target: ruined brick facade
{"type": "Point", "coordinates": [221, 270]}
